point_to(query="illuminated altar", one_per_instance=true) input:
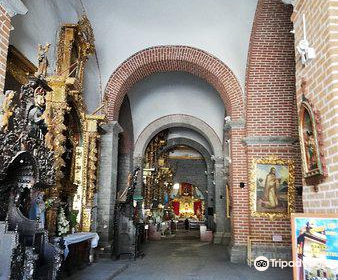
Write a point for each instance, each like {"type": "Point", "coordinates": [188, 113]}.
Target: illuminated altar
{"type": "Point", "coordinates": [187, 202]}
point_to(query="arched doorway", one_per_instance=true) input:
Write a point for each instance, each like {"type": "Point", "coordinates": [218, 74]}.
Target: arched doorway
{"type": "Point", "coordinates": [217, 74]}
{"type": "Point", "coordinates": [185, 121]}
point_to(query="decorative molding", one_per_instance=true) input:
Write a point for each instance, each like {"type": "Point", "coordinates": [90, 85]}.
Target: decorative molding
{"type": "Point", "coordinates": [217, 160]}
{"type": "Point", "coordinates": [19, 66]}
{"type": "Point", "coordinates": [14, 7]}
{"type": "Point", "coordinates": [289, 2]}
{"type": "Point", "coordinates": [238, 124]}
{"type": "Point", "coordinates": [273, 140]}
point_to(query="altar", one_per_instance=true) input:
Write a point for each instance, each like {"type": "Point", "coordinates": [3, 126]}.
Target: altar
{"type": "Point", "coordinates": [78, 250]}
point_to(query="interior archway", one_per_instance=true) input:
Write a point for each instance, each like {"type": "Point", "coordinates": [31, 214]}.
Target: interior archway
{"type": "Point", "coordinates": [174, 58]}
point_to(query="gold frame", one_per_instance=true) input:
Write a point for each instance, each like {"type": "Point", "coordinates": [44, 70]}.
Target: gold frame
{"type": "Point", "coordinates": [273, 160]}
{"type": "Point", "coordinates": [18, 66]}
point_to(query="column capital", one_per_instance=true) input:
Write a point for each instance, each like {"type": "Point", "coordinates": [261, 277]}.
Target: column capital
{"type": "Point", "coordinates": [111, 127]}
{"type": "Point", "coordinates": [289, 2]}
{"type": "Point", "coordinates": [14, 7]}
{"type": "Point", "coordinates": [217, 160]}
{"type": "Point", "coordinates": [233, 124]}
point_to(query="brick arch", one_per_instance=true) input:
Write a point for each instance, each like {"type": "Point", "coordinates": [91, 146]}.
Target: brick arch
{"type": "Point", "coordinates": [174, 58]}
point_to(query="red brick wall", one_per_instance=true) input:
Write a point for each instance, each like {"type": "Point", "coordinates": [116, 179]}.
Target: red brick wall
{"type": "Point", "coordinates": [271, 99]}
{"type": "Point", "coordinates": [5, 27]}
{"type": "Point", "coordinates": [270, 106]}
{"type": "Point", "coordinates": [174, 58]}
{"type": "Point", "coordinates": [322, 84]}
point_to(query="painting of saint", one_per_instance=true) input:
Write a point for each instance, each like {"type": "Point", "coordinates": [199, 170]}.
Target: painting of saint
{"type": "Point", "coordinates": [272, 187]}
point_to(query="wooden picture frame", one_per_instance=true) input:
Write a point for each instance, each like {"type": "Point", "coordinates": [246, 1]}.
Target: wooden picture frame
{"type": "Point", "coordinates": [314, 246]}
{"type": "Point", "coordinates": [272, 188]}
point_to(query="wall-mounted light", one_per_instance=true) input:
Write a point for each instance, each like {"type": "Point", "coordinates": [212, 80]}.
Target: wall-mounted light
{"type": "Point", "coordinates": [306, 52]}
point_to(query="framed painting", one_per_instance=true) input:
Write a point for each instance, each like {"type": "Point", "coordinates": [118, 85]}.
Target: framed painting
{"type": "Point", "coordinates": [314, 246]}
{"type": "Point", "coordinates": [272, 189]}
{"type": "Point", "coordinates": [308, 133]}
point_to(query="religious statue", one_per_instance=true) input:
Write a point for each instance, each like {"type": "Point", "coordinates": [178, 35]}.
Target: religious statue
{"type": "Point", "coordinates": [270, 198]}
{"type": "Point", "coordinates": [36, 122]}
{"type": "Point", "coordinates": [37, 208]}
{"type": "Point", "coordinates": [311, 154]}
{"type": "Point", "coordinates": [8, 108]}
{"type": "Point", "coordinates": [43, 61]}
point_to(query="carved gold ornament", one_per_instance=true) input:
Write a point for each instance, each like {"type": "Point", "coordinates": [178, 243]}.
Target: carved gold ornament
{"type": "Point", "coordinates": [273, 203]}
{"type": "Point", "coordinates": [8, 107]}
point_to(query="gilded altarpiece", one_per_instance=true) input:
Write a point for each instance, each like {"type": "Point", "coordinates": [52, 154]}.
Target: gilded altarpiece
{"type": "Point", "coordinates": [75, 46]}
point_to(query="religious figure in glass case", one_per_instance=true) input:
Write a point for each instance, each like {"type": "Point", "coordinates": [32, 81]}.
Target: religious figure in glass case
{"type": "Point", "coordinates": [312, 165]}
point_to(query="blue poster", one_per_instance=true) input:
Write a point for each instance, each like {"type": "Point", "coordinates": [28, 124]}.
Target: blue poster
{"type": "Point", "coordinates": [315, 246]}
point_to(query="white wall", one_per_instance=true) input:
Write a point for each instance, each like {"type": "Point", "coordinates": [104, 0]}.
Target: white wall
{"type": "Point", "coordinates": [175, 93]}
{"type": "Point", "coordinates": [41, 24]}
{"type": "Point", "coordinates": [124, 27]}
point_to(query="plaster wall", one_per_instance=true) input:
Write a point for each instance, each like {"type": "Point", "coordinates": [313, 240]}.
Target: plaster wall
{"type": "Point", "coordinates": [175, 93]}
{"type": "Point", "coordinates": [219, 27]}
{"type": "Point", "coordinates": [123, 28]}
{"type": "Point", "coordinates": [42, 24]}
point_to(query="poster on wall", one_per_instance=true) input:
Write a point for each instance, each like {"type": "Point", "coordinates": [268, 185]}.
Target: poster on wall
{"type": "Point", "coordinates": [315, 246]}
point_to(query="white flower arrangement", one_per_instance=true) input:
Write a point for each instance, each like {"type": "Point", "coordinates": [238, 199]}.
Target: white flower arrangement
{"type": "Point", "coordinates": [63, 223]}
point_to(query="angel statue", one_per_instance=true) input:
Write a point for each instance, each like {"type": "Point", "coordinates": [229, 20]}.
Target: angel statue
{"type": "Point", "coordinates": [43, 61]}
{"type": "Point", "coordinates": [8, 108]}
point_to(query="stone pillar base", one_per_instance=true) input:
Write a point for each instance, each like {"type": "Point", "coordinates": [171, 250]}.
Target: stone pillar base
{"type": "Point", "coordinates": [237, 253]}
{"type": "Point", "coordinates": [222, 238]}
{"type": "Point", "coordinates": [105, 250]}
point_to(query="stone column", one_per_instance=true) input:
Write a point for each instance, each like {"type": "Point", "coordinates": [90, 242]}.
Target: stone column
{"type": "Point", "coordinates": [211, 196]}
{"type": "Point", "coordinates": [239, 197]}
{"type": "Point", "coordinates": [107, 183]}
{"type": "Point", "coordinates": [138, 162]}
{"type": "Point", "coordinates": [220, 202]}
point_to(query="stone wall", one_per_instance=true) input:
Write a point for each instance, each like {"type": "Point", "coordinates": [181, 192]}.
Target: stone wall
{"type": "Point", "coordinates": [322, 83]}
{"type": "Point", "coordinates": [190, 171]}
